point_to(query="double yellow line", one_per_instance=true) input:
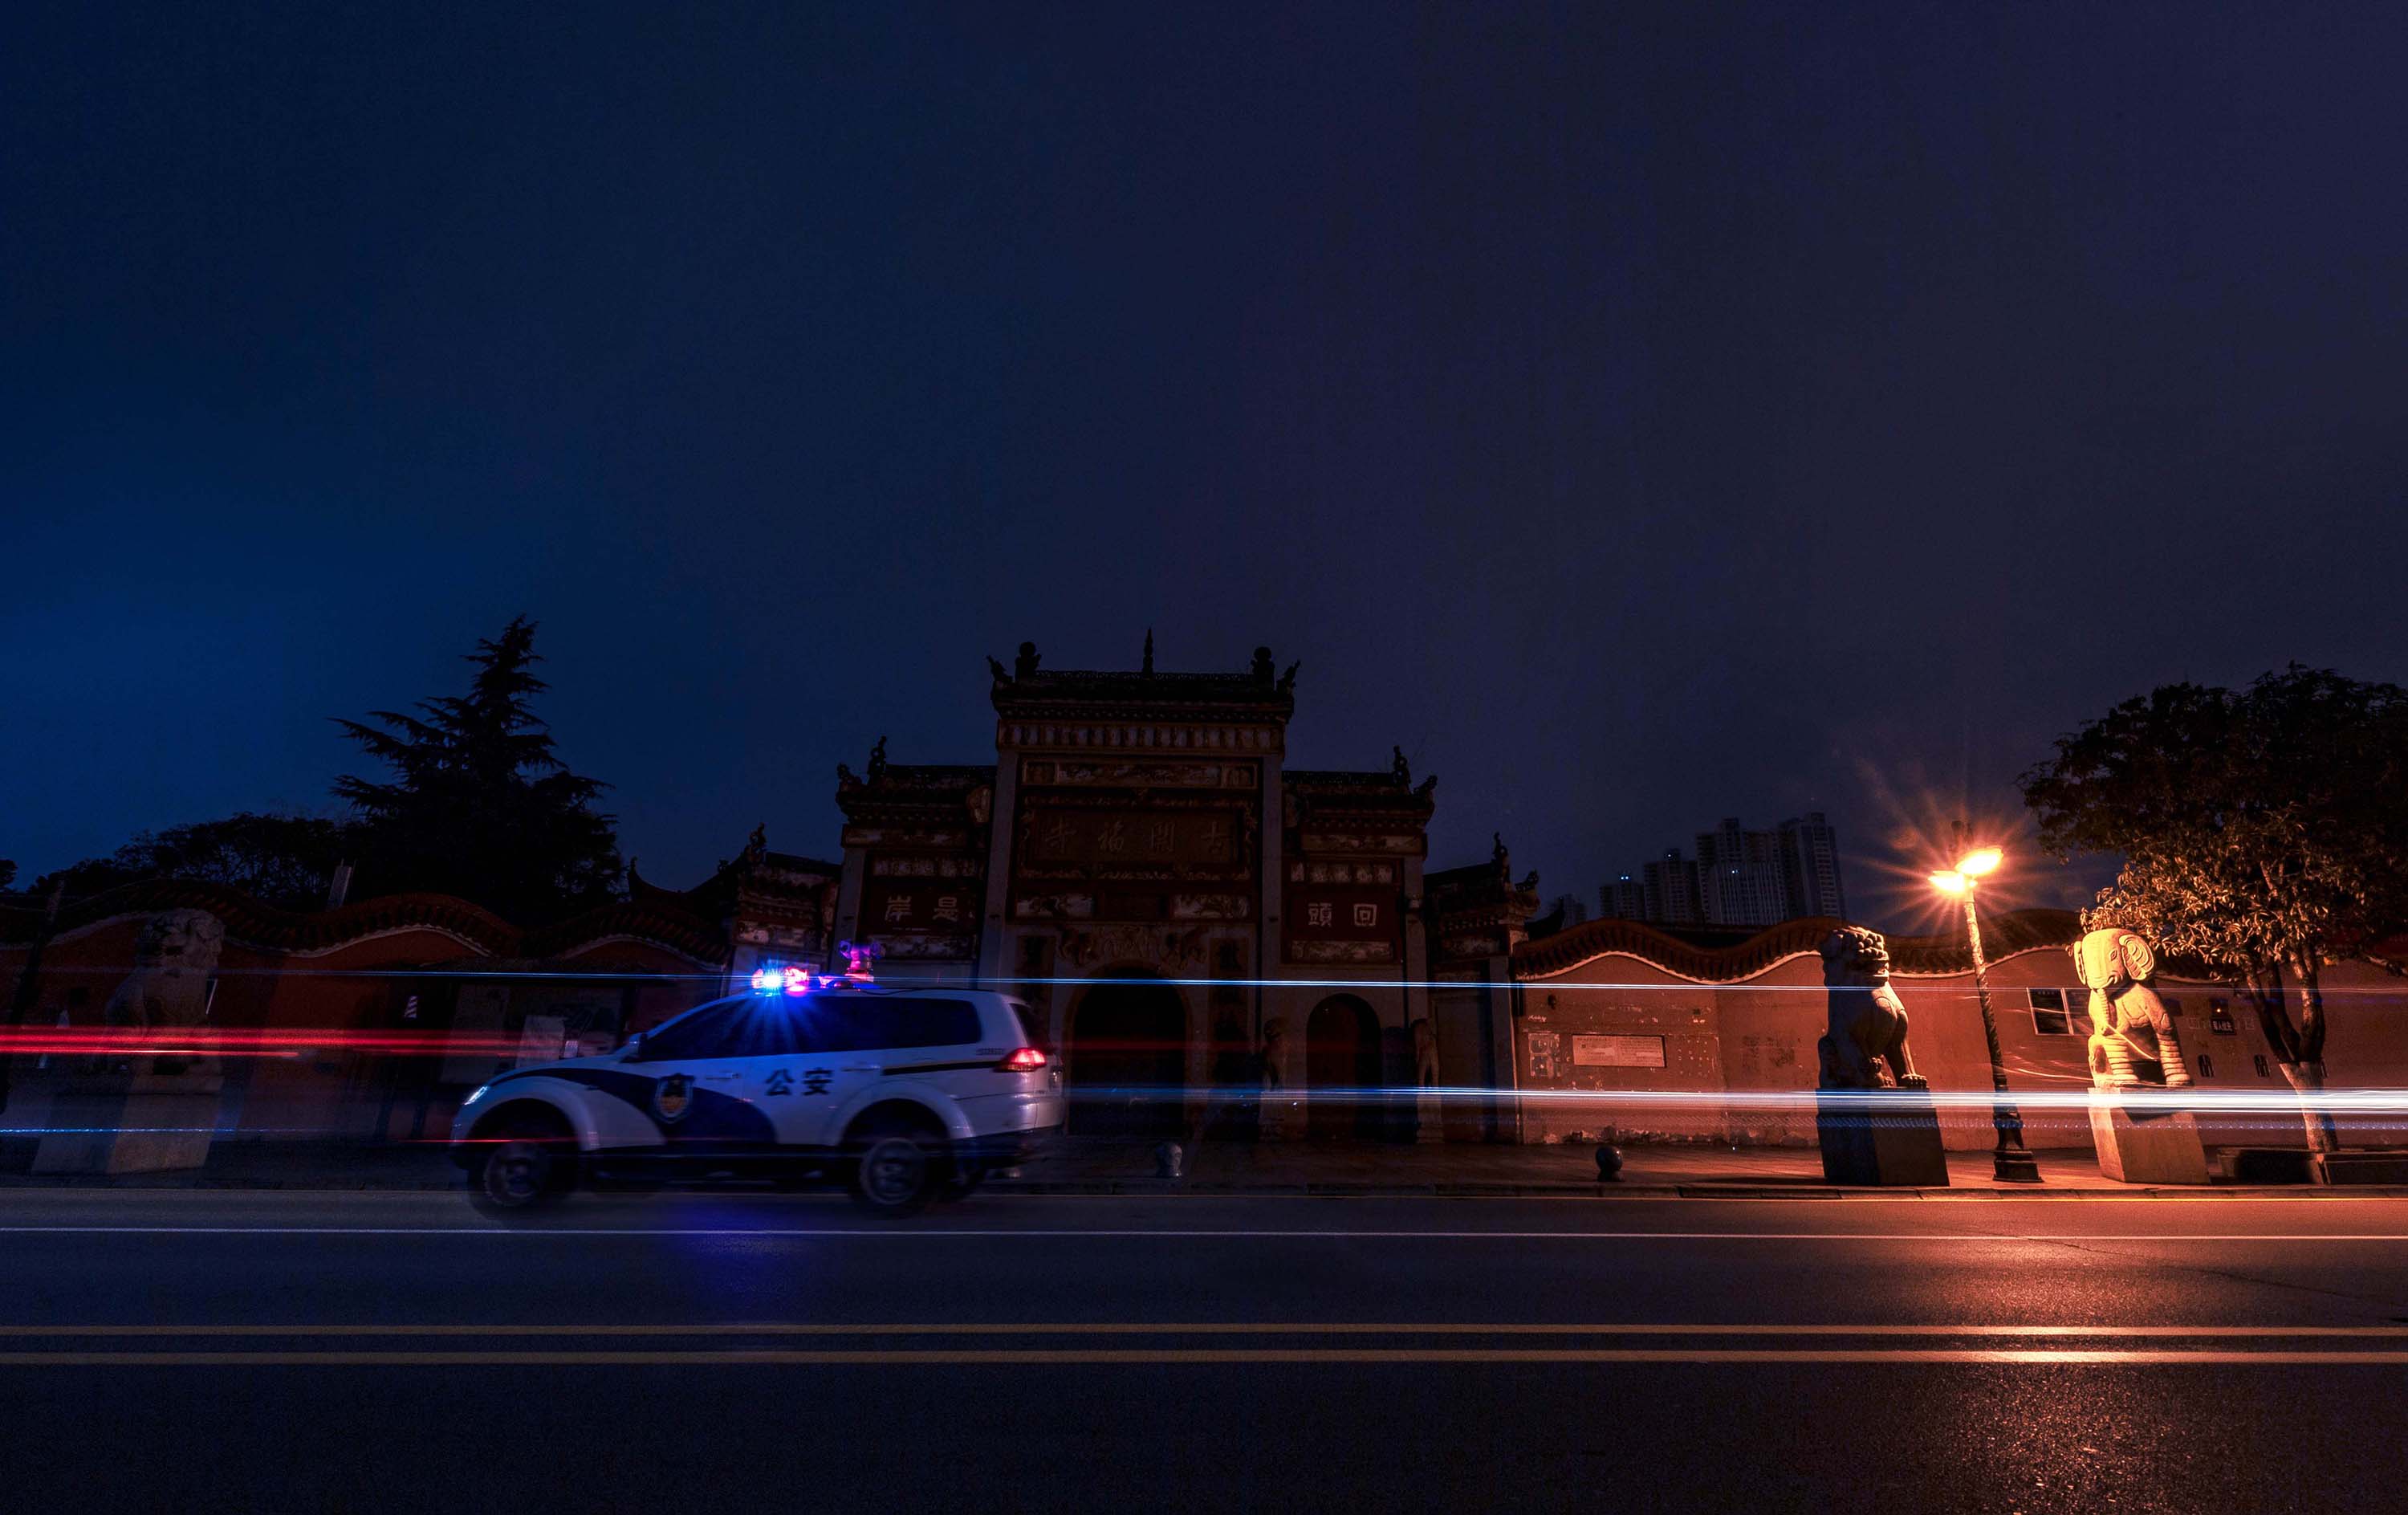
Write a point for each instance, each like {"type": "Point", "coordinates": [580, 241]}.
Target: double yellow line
{"type": "Point", "coordinates": [1341, 1343]}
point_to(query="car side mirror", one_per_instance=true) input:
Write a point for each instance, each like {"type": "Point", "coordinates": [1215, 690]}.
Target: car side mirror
{"type": "Point", "coordinates": [635, 1052]}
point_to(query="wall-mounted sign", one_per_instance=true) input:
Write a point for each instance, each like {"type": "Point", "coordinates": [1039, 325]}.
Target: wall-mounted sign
{"type": "Point", "coordinates": [920, 905]}
{"type": "Point", "coordinates": [1062, 835]}
{"type": "Point", "coordinates": [1617, 1051]}
{"type": "Point", "coordinates": [1542, 1053]}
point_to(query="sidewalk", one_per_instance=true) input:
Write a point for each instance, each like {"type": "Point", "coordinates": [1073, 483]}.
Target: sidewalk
{"type": "Point", "coordinates": [1102, 1166]}
{"type": "Point", "coordinates": [1684, 1171]}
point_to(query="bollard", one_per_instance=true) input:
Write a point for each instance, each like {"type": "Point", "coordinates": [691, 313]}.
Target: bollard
{"type": "Point", "coordinates": [1609, 1163]}
{"type": "Point", "coordinates": [1166, 1161]}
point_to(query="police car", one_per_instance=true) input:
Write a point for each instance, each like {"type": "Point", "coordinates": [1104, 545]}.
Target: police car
{"type": "Point", "coordinates": [904, 1096]}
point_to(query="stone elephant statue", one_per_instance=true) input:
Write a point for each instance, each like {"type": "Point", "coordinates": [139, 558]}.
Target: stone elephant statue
{"type": "Point", "coordinates": [2134, 1042]}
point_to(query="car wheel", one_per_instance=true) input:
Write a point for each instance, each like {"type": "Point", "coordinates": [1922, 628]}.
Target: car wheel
{"type": "Point", "coordinates": [896, 1174]}
{"type": "Point", "coordinates": [526, 1169]}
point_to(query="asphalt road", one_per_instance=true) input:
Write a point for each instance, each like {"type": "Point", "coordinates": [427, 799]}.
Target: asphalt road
{"type": "Point", "coordinates": [296, 1351]}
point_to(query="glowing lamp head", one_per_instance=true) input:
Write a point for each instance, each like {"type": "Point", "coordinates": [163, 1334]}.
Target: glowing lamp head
{"type": "Point", "coordinates": [767, 980]}
{"type": "Point", "coordinates": [796, 981]}
{"type": "Point", "coordinates": [1981, 862]}
{"type": "Point", "coordinates": [1951, 882]}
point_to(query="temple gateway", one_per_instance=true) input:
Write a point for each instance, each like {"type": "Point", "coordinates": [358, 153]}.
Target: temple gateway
{"type": "Point", "coordinates": [1185, 915]}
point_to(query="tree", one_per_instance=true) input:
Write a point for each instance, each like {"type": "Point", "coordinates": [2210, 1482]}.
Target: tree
{"type": "Point", "coordinates": [2263, 831]}
{"type": "Point", "coordinates": [7, 873]}
{"type": "Point", "coordinates": [284, 860]}
{"type": "Point", "coordinates": [478, 805]}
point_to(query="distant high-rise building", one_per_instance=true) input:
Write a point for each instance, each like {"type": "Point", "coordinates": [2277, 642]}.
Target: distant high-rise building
{"type": "Point", "coordinates": [1739, 872]}
{"type": "Point", "coordinates": [1810, 867]}
{"type": "Point", "coordinates": [1671, 885]}
{"type": "Point", "coordinates": [1624, 899]}
{"type": "Point", "coordinates": [1740, 878]}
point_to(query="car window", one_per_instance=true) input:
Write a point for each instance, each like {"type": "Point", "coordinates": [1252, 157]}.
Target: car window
{"type": "Point", "coordinates": [695, 1035]}
{"type": "Point", "coordinates": [1031, 1032]}
{"type": "Point", "coordinates": [868, 1023]}
{"type": "Point", "coordinates": [746, 1028]}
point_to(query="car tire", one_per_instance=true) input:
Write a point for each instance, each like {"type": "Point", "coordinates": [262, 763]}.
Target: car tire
{"type": "Point", "coordinates": [963, 1184]}
{"type": "Point", "coordinates": [527, 1167]}
{"type": "Point", "coordinates": [897, 1173]}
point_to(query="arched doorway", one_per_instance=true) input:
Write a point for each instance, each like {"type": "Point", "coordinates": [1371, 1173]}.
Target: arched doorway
{"type": "Point", "coordinates": [1127, 1067]}
{"type": "Point", "coordinates": [1342, 1056]}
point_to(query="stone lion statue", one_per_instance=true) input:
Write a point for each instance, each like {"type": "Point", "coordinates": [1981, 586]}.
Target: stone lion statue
{"type": "Point", "coordinates": [1868, 1023]}
{"type": "Point", "coordinates": [173, 959]}
{"type": "Point", "coordinates": [2133, 1044]}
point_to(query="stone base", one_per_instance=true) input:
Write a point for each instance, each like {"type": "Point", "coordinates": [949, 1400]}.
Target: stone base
{"type": "Point", "coordinates": [1882, 1138]}
{"type": "Point", "coordinates": [1428, 1124]}
{"type": "Point", "coordinates": [2268, 1164]}
{"type": "Point", "coordinates": [2362, 1166]}
{"type": "Point", "coordinates": [128, 1132]}
{"type": "Point", "coordinates": [2150, 1147]}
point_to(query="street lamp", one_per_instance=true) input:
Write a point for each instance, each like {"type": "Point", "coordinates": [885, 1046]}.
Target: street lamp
{"type": "Point", "coordinates": [2011, 1160]}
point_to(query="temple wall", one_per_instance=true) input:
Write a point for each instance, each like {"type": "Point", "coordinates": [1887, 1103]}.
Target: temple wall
{"type": "Point", "coordinates": [1722, 1042]}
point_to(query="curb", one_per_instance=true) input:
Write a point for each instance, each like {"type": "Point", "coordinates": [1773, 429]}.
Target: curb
{"type": "Point", "coordinates": [1175, 1188]}
{"type": "Point", "coordinates": [1164, 1187]}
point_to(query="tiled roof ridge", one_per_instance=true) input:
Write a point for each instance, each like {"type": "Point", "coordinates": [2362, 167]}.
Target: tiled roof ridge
{"type": "Point", "coordinates": [259, 924]}
{"type": "Point", "coordinates": [255, 921]}
{"type": "Point", "coordinates": [2002, 935]}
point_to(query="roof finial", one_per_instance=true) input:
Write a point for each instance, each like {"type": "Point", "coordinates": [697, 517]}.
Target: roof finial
{"type": "Point", "coordinates": [1148, 650]}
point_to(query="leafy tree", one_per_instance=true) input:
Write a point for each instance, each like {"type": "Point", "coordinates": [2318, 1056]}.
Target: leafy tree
{"type": "Point", "coordinates": [2263, 831]}
{"type": "Point", "coordinates": [7, 873]}
{"type": "Point", "coordinates": [478, 805]}
{"type": "Point", "coordinates": [284, 860]}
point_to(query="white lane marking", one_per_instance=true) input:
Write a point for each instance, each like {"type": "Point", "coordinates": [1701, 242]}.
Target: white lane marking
{"type": "Point", "coordinates": [908, 1232]}
{"type": "Point", "coordinates": [1157, 1357]}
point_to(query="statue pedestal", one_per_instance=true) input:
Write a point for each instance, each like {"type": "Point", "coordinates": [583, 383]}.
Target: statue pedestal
{"type": "Point", "coordinates": [1880, 1138]}
{"type": "Point", "coordinates": [153, 1123]}
{"type": "Point", "coordinates": [1428, 1124]}
{"type": "Point", "coordinates": [2145, 1147]}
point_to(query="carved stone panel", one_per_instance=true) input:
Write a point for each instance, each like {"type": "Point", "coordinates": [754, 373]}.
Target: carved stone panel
{"type": "Point", "coordinates": [1173, 949]}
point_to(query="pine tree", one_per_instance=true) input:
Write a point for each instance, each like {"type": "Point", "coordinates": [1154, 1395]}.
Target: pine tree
{"type": "Point", "coordinates": [478, 805]}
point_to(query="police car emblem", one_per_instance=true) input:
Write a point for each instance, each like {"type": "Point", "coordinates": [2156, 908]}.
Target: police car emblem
{"type": "Point", "coordinates": [673, 1096]}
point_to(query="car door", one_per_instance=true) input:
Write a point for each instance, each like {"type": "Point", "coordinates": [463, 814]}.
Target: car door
{"type": "Point", "coordinates": [834, 1042]}
{"type": "Point", "coordinates": [694, 1079]}
{"type": "Point", "coordinates": [782, 1067]}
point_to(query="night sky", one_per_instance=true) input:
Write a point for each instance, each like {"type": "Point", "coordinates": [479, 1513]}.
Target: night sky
{"type": "Point", "coordinates": [1642, 414]}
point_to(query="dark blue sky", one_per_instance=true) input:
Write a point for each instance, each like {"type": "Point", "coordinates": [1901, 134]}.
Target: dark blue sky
{"type": "Point", "coordinates": [1640, 414]}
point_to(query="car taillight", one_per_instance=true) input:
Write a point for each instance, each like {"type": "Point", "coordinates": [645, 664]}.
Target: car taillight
{"type": "Point", "coordinates": [1026, 1060]}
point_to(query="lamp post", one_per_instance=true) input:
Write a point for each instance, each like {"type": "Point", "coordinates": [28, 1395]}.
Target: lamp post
{"type": "Point", "coordinates": [2011, 1161]}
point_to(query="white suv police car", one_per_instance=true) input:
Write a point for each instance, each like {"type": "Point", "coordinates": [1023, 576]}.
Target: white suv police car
{"type": "Point", "coordinates": [904, 1096]}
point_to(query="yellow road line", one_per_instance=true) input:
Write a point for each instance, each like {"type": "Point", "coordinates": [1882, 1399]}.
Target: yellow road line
{"type": "Point", "coordinates": [503, 1234]}
{"type": "Point", "coordinates": [1142, 1357]}
{"type": "Point", "coordinates": [1205, 1328]}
